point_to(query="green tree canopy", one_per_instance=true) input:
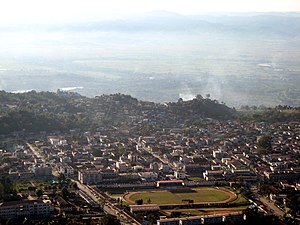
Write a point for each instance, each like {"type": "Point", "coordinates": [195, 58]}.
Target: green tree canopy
{"type": "Point", "coordinates": [264, 144]}
{"type": "Point", "coordinates": [39, 193]}
{"type": "Point", "coordinates": [109, 220]}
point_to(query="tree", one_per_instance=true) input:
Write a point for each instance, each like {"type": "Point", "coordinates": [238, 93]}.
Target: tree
{"type": "Point", "coordinates": [97, 152]}
{"type": "Point", "coordinates": [149, 201]}
{"type": "Point", "coordinates": [289, 220]}
{"type": "Point", "coordinates": [31, 188]}
{"type": "Point", "coordinates": [293, 204]}
{"type": "Point", "coordinates": [109, 220]}
{"type": "Point", "coordinates": [61, 178]}
{"type": "Point", "coordinates": [152, 217]}
{"type": "Point", "coordinates": [39, 193]}
{"type": "Point", "coordinates": [175, 214]}
{"type": "Point", "coordinates": [75, 186]}
{"type": "Point", "coordinates": [65, 192]}
{"type": "Point", "coordinates": [139, 201]}
{"type": "Point", "coordinates": [264, 189]}
{"type": "Point", "coordinates": [264, 144]}
{"type": "Point", "coordinates": [1, 192]}
{"type": "Point", "coordinates": [180, 100]}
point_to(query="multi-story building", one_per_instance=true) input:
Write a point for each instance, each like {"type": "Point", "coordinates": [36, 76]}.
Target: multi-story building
{"type": "Point", "coordinates": [42, 171]}
{"type": "Point", "coordinates": [109, 174]}
{"type": "Point", "coordinates": [20, 175]}
{"type": "Point", "coordinates": [67, 170]}
{"type": "Point", "coordinates": [33, 208]}
{"type": "Point", "coordinates": [90, 176]}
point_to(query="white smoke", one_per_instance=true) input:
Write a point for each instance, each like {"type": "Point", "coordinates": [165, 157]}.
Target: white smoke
{"type": "Point", "coordinates": [186, 93]}
{"type": "Point", "coordinates": [70, 88]}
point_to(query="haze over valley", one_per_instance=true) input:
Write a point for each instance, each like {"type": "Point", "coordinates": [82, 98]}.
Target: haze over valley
{"type": "Point", "coordinates": [239, 59]}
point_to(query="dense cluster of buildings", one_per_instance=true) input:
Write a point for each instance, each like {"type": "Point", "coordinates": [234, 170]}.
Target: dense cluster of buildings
{"type": "Point", "coordinates": [216, 152]}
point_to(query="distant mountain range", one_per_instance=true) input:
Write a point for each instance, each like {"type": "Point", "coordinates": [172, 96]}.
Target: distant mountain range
{"type": "Point", "coordinates": [162, 21]}
{"type": "Point", "coordinates": [249, 23]}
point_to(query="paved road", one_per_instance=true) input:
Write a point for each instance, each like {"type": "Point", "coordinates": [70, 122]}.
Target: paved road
{"type": "Point", "coordinates": [112, 208]}
{"type": "Point", "coordinates": [108, 205]}
{"type": "Point", "coordinates": [36, 152]}
{"type": "Point", "coordinates": [276, 211]}
{"type": "Point", "coordinates": [269, 204]}
{"type": "Point", "coordinates": [165, 161]}
{"type": "Point", "coordinates": [88, 199]}
{"type": "Point", "coordinates": [87, 192]}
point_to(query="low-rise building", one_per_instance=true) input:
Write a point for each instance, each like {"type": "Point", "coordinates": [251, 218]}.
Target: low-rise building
{"type": "Point", "coordinates": [179, 175]}
{"type": "Point", "coordinates": [206, 219]}
{"type": "Point", "coordinates": [213, 175]}
{"type": "Point", "coordinates": [122, 167]}
{"type": "Point", "coordinates": [169, 183]}
{"type": "Point", "coordinates": [282, 175]}
{"type": "Point", "coordinates": [148, 176]}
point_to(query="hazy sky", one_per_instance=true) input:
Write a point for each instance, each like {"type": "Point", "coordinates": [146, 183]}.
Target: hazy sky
{"type": "Point", "coordinates": [19, 11]}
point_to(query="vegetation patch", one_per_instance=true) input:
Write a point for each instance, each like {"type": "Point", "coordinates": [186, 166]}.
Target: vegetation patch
{"type": "Point", "coordinates": [241, 200]}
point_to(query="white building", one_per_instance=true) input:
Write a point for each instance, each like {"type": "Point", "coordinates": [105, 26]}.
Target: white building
{"type": "Point", "coordinates": [66, 170]}
{"type": "Point", "coordinates": [164, 168]}
{"type": "Point", "coordinates": [132, 158]}
{"type": "Point", "coordinates": [33, 208]}
{"type": "Point", "coordinates": [90, 176]}
{"type": "Point", "coordinates": [218, 154]}
{"type": "Point", "coordinates": [154, 166]}
{"type": "Point", "coordinates": [179, 175]}
{"type": "Point", "coordinates": [54, 141]}
{"type": "Point", "coordinates": [122, 167]}
{"type": "Point", "coordinates": [213, 175]}
{"type": "Point", "coordinates": [149, 176]}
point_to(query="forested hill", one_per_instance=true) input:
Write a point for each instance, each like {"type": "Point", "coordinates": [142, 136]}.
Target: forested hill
{"type": "Point", "coordinates": [48, 111]}
{"type": "Point", "coordinates": [37, 111]}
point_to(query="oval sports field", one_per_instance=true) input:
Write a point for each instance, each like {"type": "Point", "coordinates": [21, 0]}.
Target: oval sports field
{"type": "Point", "coordinates": [198, 195]}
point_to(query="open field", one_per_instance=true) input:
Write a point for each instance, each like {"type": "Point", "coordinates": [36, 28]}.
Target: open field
{"type": "Point", "coordinates": [198, 195]}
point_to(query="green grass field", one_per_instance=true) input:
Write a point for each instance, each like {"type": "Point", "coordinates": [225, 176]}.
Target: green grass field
{"type": "Point", "coordinates": [198, 195]}
{"type": "Point", "coordinates": [240, 200]}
